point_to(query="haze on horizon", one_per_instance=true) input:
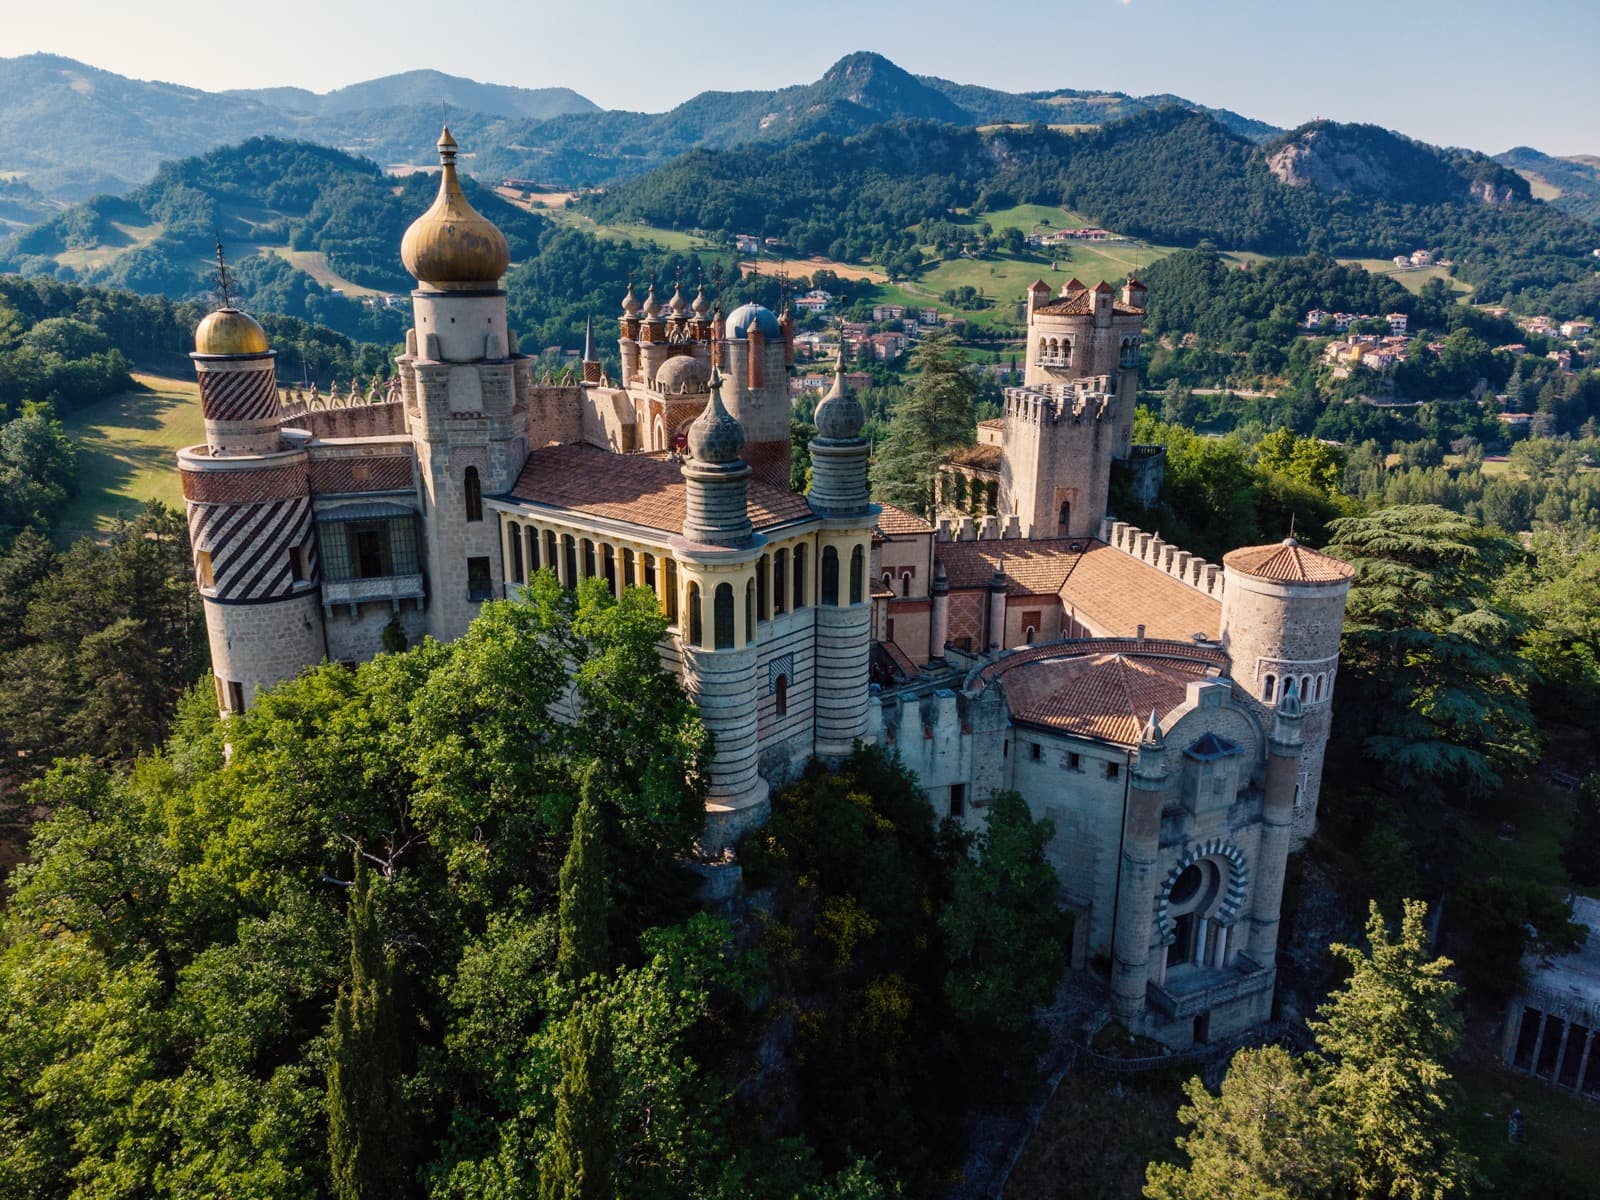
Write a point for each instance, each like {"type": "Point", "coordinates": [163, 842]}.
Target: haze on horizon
{"type": "Point", "coordinates": [1475, 73]}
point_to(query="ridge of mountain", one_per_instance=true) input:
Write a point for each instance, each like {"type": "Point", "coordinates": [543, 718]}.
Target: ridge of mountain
{"type": "Point", "coordinates": [1571, 182]}
{"type": "Point", "coordinates": [425, 87]}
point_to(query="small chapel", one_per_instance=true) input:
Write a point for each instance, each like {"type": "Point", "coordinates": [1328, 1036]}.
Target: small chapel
{"type": "Point", "coordinates": [1167, 714]}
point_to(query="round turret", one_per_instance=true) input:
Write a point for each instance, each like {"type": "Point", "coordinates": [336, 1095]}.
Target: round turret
{"type": "Point", "coordinates": [229, 331]}
{"type": "Point", "coordinates": [684, 373]}
{"type": "Point", "coordinates": [747, 316]}
{"type": "Point", "coordinates": [452, 246]}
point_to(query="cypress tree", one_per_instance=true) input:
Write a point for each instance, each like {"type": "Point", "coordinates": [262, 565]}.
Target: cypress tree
{"type": "Point", "coordinates": [582, 1155]}
{"type": "Point", "coordinates": [933, 419]}
{"type": "Point", "coordinates": [366, 1135]}
{"type": "Point", "coordinates": [583, 949]}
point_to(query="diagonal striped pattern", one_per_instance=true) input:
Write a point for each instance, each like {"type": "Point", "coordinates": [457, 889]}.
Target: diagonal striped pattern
{"type": "Point", "coordinates": [250, 544]}
{"type": "Point", "coordinates": [239, 395]}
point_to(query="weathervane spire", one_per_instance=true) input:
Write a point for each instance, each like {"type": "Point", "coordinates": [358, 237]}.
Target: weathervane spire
{"type": "Point", "coordinates": [223, 281]}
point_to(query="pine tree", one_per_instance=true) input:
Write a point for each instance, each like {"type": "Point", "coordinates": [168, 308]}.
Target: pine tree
{"type": "Point", "coordinates": [583, 949]}
{"type": "Point", "coordinates": [1384, 1039]}
{"type": "Point", "coordinates": [367, 1143]}
{"type": "Point", "coordinates": [933, 419]}
{"type": "Point", "coordinates": [581, 1160]}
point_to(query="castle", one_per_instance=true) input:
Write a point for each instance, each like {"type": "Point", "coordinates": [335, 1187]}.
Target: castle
{"type": "Point", "coordinates": [1167, 714]}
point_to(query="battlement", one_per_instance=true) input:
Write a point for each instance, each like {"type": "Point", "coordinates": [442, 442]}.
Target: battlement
{"type": "Point", "coordinates": [1051, 403]}
{"type": "Point", "coordinates": [1189, 569]}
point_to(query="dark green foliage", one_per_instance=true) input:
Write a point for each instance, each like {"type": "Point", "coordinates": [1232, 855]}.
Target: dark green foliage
{"type": "Point", "coordinates": [580, 1164]}
{"type": "Point", "coordinates": [38, 468]}
{"type": "Point", "coordinates": [583, 947]}
{"type": "Point", "coordinates": [931, 419]}
{"type": "Point", "coordinates": [1503, 920]}
{"type": "Point", "coordinates": [1580, 853]}
{"type": "Point", "coordinates": [368, 1144]}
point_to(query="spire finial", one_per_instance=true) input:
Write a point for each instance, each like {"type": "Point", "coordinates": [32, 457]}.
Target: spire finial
{"type": "Point", "coordinates": [223, 280]}
{"type": "Point", "coordinates": [588, 338]}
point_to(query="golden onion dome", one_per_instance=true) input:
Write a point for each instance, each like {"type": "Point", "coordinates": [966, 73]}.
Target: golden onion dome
{"type": "Point", "coordinates": [229, 331]}
{"type": "Point", "coordinates": [453, 247]}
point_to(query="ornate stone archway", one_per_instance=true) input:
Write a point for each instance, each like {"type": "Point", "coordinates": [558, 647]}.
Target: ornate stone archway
{"type": "Point", "coordinates": [1234, 889]}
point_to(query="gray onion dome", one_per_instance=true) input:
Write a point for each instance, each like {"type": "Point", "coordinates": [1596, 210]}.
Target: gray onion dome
{"type": "Point", "coordinates": [716, 436]}
{"type": "Point", "coordinates": [839, 416]}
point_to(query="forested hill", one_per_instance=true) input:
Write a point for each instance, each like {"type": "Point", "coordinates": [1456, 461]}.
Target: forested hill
{"type": "Point", "coordinates": [287, 211]}
{"type": "Point", "coordinates": [1571, 184]}
{"type": "Point", "coordinates": [71, 130]}
{"type": "Point", "coordinates": [1173, 176]}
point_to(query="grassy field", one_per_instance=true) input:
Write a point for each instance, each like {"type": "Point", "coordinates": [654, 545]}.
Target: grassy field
{"type": "Point", "coordinates": [315, 264]}
{"type": "Point", "coordinates": [126, 446]}
{"type": "Point", "coordinates": [1412, 281]}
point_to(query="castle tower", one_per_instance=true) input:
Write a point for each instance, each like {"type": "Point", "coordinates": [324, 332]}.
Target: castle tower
{"type": "Point", "coordinates": [756, 388]}
{"type": "Point", "coordinates": [461, 378]}
{"type": "Point", "coordinates": [1136, 881]}
{"type": "Point", "coordinates": [1282, 618]}
{"type": "Point", "coordinates": [844, 616]}
{"type": "Point", "coordinates": [717, 556]}
{"type": "Point", "coordinates": [247, 493]}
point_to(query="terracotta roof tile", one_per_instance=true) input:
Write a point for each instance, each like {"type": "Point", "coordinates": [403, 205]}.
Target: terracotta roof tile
{"type": "Point", "coordinates": [986, 457]}
{"type": "Point", "coordinates": [644, 489]}
{"type": "Point", "coordinates": [1101, 688]}
{"type": "Point", "coordinates": [1033, 568]}
{"type": "Point", "coordinates": [993, 423]}
{"type": "Point", "coordinates": [1289, 562]}
{"type": "Point", "coordinates": [1116, 593]}
{"type": "Point", "coordinates": [898, 520]}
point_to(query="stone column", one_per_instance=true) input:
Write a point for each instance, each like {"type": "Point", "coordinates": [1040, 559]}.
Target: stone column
{"type": "Point", "coordinates": [939, 618]}
{"type": "Point", "coordinates": [1141, 843]}
{"type": "Point", "coordinates": [1583, 1063]}
{"type": "Point", "coordinates": [1538, 1045]}
{"type": "Point", "coordinates": [1277, 821]}
{"type": "Point", "coordinates": [997, 611]}
{"type": "Point", "coordinates": [1561, 1051]}
{"type": "Point", "coordinates": [1511, 1030]}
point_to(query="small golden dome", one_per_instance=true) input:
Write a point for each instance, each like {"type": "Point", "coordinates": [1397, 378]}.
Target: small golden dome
{"type": "Point", "coordinates": [453, 247]}
{"type": "Point", "coordinates": [229, 331]}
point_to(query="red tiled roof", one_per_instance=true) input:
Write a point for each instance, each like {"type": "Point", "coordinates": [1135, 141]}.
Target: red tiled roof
{"type": "Point", "coordinates": [993, 423]}
{"type": "Point", "coordinates": [1289, 562]}
{"type": "Point", "coordinates": [1033, 568]}
{"type": "Point", "coordinates": [644, 489]}
{"type": "Point", "coordinates": [897, 520]}
{"type": "Point", "coordinates": [986, 457]}
{"type": "Point", "coordinates": [1101, 688]}
{"type": "Point", "coordinates": [1081, 304]}
{"type": "Point", "coordinates": [1116, 593]}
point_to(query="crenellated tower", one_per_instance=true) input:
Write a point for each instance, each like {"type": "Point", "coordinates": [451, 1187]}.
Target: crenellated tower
{"type": "Point", "coordinates": [247, 493]}
{"type": "Point", "coordinates": [463, 380]}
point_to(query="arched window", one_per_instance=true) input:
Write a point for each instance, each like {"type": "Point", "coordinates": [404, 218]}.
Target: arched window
{"type": "Point", "coordinates": [669, 588]}
{"type": "Point", "coordinates": [830, 575]}
{"type": "Point", "coordinates": [780, 690]}
{"type": "Point", "coordinates": [1064, 518]}
{"type": "Point", "coordinates": [858, 575]}
{"type": "Point", "coordinates": [649, 563]}
{"type": "Point", "coordinates": [800, 576]}
{"type": "Point", "coordinates": [888, 579]}
{"type": "Point", "coordinates": [905, 584]}
{"type": "Point", "coordinates": [722, 617]}
{"type": "Point", "coordinates": [571, 557]}
{"type": "Point", "coordinates": [761, 591]}
{"type": "Point", "coordinates": [609, 559]}
{"type": "Point", "coordinates": [696, 628]}
{"type": "Point", "coordinates": [627, 568]}
{"type": "Point", "coordinates": [1027, 635]}
{"type": "Point", "coordinates": [780, 581]}
{"type": "Point", "coordinates": [1267, 686]}
{"type": "Point", "coordinates": [749, 611]}
{"type": "Point", "coordinates": [533, 549]}
{"type": "Point", "coordinates": [1319, 687]}
{"type": "Point", "coordinates": [552, 552]}
{"type": "Point", "coordinates": [473, 491]}
{"type": "Point", "coordinates": [993, 497]}
{"type": "Point", "coordinates": [1305, 688]}
{"type": "Point", "coordinates": [514, 567]}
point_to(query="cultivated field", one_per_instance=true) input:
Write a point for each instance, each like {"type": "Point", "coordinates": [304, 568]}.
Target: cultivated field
{"type": "Point", "coordinates": [126, 446]}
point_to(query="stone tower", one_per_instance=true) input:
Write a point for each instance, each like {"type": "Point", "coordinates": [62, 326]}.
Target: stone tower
{"type": "Point", "coordinates": [462, 379]}
{"type": "Point", "coordinates": [1282, 617]}
{"type": "Point", "coordinates": [755, 358]}
{"type": "Point", "coordinates": [844, 612]}
{"type": "Point", "coordinates": [1074, 413]}
{"type": "Point", "coordinates": [247, 493]}
{"type": "Point", "coordinates": [717, 555]}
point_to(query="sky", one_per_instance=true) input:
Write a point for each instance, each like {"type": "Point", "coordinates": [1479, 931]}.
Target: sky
{"type": "Point", "coordinates": [1488, 74]}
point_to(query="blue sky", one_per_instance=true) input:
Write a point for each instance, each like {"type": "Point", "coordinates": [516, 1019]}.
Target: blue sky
{"type": "Point", "coordinates": [1469, 72]}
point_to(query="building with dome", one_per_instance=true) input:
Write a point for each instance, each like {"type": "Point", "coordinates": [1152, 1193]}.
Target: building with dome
{"type": "Point", "coordinates": [1168, 715]}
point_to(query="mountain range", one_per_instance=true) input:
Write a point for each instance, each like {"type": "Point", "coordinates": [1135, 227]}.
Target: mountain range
{"type": "Point", "coordinates": [71, 131]}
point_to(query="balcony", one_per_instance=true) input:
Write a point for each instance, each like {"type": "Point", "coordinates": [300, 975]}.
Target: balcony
{"type": "Point", "coordinates": [394, 588]}
{"type": "Point", "coordinates": [1054, 360]}
{"type": "Point", "coordinates": [1191, 991]}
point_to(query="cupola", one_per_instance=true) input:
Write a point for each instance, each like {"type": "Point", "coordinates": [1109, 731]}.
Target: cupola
{"type": "Point", "coordinates": [452, 247]}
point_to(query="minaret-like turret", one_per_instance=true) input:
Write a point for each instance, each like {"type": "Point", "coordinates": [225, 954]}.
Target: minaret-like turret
{"type": "Point", "coordinates": [462, 379]}
{"type": "Point", "coordinates": [844, 617]}
{"type": "Point", "coordinates": [1277, 825]}
{"type": "Point", "coordinates": [591, 360]}
{"type": "Point", "coordinates": [717, 556]}
{"type": "Point", "coordinates": [628, 334]}
{"type": "Point", "coordinates": [247, 493]}
{"type": "Point", "coordinates": [1141, 844]}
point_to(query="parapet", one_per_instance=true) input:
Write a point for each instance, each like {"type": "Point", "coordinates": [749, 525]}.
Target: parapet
{"type": "Point", "coordinates": [1092, 399]}
{"type": "Point", "coordinates": [1189, 569]}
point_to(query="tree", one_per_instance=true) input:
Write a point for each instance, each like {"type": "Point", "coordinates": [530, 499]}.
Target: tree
{"type": "Point", "coordinates": [1435, 694]}
{"type": "Point", "coordinates": [581, 1162]}
{"type": "Point", "coordinates": [1580, 852]}
{"type": "Point", "coordinates": [368, 1149]}
{"type": "Point", "coordinates": [1257, 1139]}
{"type": "Point", "coordinates": [1005, 934]}
{"type": "Point", "coordinates": [38, 467]}
{"type": "Point", "coordinates": [1383, 1042]}
{"type": "Point", "coordinates": [931, 420]}
{"type": "Point", "coordinates": [583, 949]}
